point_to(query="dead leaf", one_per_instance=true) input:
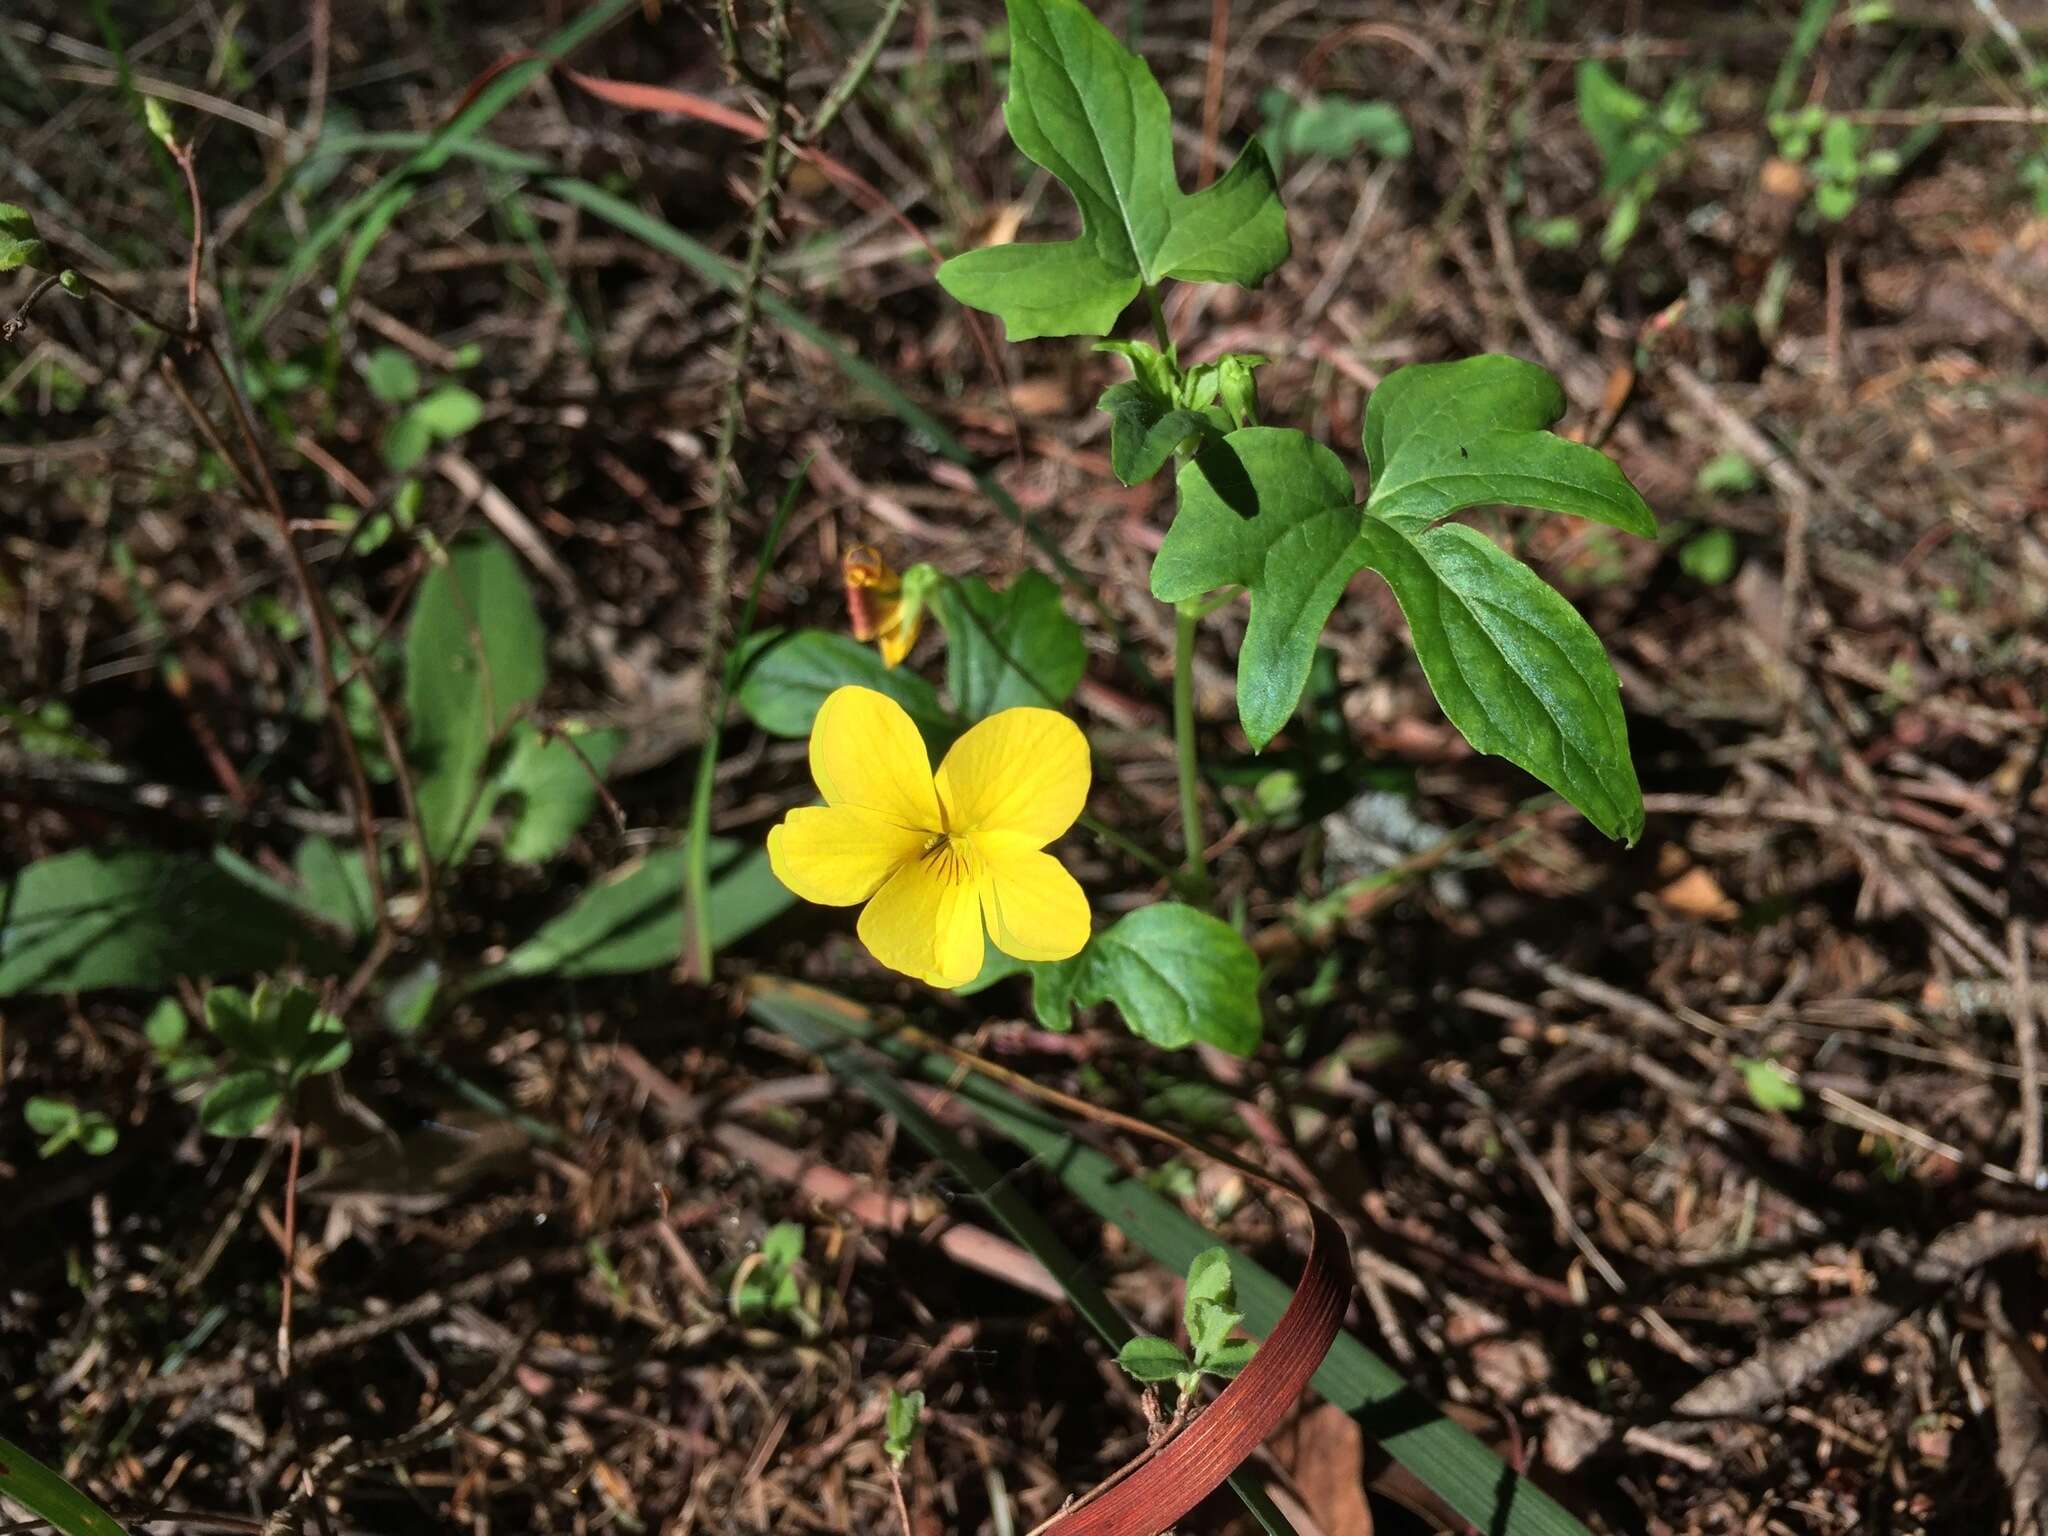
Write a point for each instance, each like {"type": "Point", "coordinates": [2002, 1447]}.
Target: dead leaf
{"type": "Point", "coordinates": [1329, 1469]}
{"type": "Point", "coordinates": [1696, 893]}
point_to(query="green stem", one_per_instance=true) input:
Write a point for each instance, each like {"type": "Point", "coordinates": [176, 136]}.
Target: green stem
{"type": "Point", "coordinates": [1158, 320]}
{"type": "Point", "coordinates": [698, 950]}
{"type": "Point", "coordinates": [1185, 620]}
{"type": "Point", "coordinates": [1109, 837]}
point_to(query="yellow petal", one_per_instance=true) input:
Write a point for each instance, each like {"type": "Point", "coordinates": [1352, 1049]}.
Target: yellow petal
{"type": "Point", "coordinates": [839, 856]}
{"type": "Point", "coordinates": [1020, 770]}
{"type": "Point", "coordinates": [866, 753]}
{"type": "Point", "coordinates": [926, 920]}
{"type": "Point", "coordinates": [1034, 909]}
{"type": "Point", "coordinates": [895, 641]}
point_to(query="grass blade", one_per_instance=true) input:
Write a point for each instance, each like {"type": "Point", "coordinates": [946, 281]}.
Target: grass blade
{"type": "Point", "coordinates": [1462, 1472]}
{"type": "Point", "coordinates": [46, 1495]}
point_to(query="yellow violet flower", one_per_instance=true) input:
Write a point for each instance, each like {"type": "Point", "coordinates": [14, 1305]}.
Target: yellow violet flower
{"type": "Point", "coordinates": [885, 606]}
{"type": "Point", "coordinates": [937, 857]}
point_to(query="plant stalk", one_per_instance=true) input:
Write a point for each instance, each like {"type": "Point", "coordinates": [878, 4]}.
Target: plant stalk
{"type": "Point", "coordinates": [1184, 621]}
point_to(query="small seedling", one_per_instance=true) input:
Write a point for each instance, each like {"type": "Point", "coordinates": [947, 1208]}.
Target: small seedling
{"type": "Point", "coordinates": [62, 1123]}
{"type": "Point", "coordinates": [1772, 1088]}
{"type": "Point", "coordinates": [169, 1037]}
{"type": "Point", "coordinates": [899, 1427]}
{"type": "Point", "coordinates": [765, 1285]}
{"type": "Point", "coordinates": [274, 1041]}
{"type": "Point", "coordinates": [1635, 141]}
{"type": "Point", "coordinates": [1210, 1314]}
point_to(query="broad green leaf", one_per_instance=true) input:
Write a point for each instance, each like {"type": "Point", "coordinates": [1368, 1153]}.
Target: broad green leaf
{"type": "Point", "coordinates": [552, 786]}
{"type": "Point", "coordinates": [1008, 648]}
{"type": "Point", "coordinates": [786, 677]}
{"type": "Point", "coordinates": [473, 663]}
{"type": "Point", "coordinates": [140, 918]}
{"type": "Point", "coordinates": [19, 244]}
{"type": "Point", "coordinates": [1270, 509]}
{"type": "Point", "coordinates": [47, 1496]}
{"type": "Point", "coordinates": [1175, 974]}
{"type": "Point", "coordinates": [334, 883]}
{"type": "Point", "coordinates": [631, 920]}
{"type": "Point", "coordinates": [1209, 1281]}
{"type": "Point", "coordinates": [232, 1019]}
{"type": "Point", "coordinates": [241, 1104]}
{"type": "Point", "coordinates": [449, 412]}
{"type": "Point", "coordinates": [1516, 669]}
{"type": "Point", "coordinates": [1144, 430]}
{"type": "Point", "coordinates": [1150, 1359]}
{"type": "Point", "coordinates": [1441, 437]}
{"type": "Point", "coordinates": [1088, 110]}
{"type": "Point", "coordinates": [392, 377]}
{"type": "Point", "coordinates": [1332, 125]}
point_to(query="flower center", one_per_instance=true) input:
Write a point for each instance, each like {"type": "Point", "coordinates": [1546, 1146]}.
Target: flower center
{"type": "Point", "coordinates": [948, 859]}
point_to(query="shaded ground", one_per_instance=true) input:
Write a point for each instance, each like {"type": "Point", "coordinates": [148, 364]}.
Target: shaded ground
{"type": "Point", "coordinates": [1528, 1081]}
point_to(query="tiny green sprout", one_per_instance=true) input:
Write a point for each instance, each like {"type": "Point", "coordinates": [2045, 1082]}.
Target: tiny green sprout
{"type": "Point", "coordinates": [20, 246]}
{"type": "Point", "coordinates": [1210, 1315]}
{"type": "Point", "coordinates": [765, 1285]}
{"type": "Point", "coordinates": [158, 119]}
{"type": "Point", "coordinates": [899, 1427]}
{"type": "Point", "coordinates": [61, 1124]}
{"type": "Point", "coordinates": [169, 1037]}
{"type": "Point", "coordinates": [274, 1040]}
{"type": "Point", "coordinates": [1772, 1088]}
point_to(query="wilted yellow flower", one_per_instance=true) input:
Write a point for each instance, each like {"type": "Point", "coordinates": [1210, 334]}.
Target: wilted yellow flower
{"type": "Point", "coordinates": [885, 607]}
{"type": "Point", "coordinates": [938, 857]}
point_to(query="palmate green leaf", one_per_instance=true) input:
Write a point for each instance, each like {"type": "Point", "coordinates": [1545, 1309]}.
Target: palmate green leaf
{"type": "Point", "coordinates": [473, 663]}
{"type": "Point", "coordinates": [1272, 510]}
{"type": "Point", "coordinates": [1514, 666]}
{"type": "Point", "coordinates": [1441, 437]}
{"type": "Point", "coordinates": [1008, 648]}
{"type": "Point", "coordinates": [1088, 110]}
{"type": "Point", "coordinates": [47, 1496]}
{"type": "Point", "coordinates": [1175, 974]}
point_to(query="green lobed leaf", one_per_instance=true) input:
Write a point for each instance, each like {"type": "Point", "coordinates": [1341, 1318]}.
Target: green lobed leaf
{"type": "Point", "coordinates": [786, 676]}
{"type": "Point", "coordinates": [1089, 111]}
{"type": "Point", "coordinates": [47, 1496]}
{"type": "Point", "coordinates": [1175, 974]}
{"type": "Point", "coordinates": [1441, 437]}
{"type": "Point", "coordinates": [1272, 510]}
{"type": "Point", "coordinates": [474, 661]}
{"type": "Point", "coordinates": [1008, 648]}
{"type": "Point", "coordinates": [140, 918]}
{"type": "Point", "coordinates": [1150, 1359]}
